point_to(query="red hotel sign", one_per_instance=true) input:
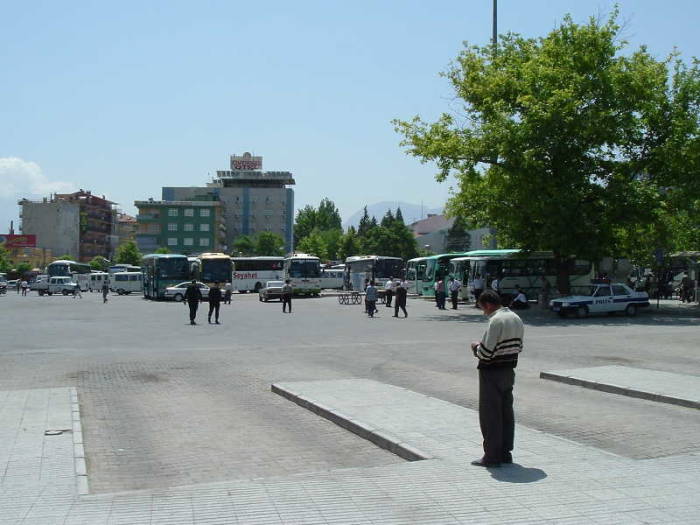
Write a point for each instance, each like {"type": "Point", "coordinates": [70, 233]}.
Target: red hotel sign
{"type": "Point", "coordinates": [18, 241]}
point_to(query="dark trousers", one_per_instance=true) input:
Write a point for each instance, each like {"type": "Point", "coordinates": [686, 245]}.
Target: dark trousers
{"type": "Point", "coordinates": [371, 307]}
{"type": "Point", "coordinates": [214, 307]}
{"type": "Point", "coordinates": [402, 306]}
{"type": "Point", "coordinates": [496, 415]}
{"type": "Point", "coordinates": [388, 294]}
{"type": "Point", "coordinates": [286, 300]}
{"type": "Point", "coordinates": [440, 300]}
{"type": "Point", "coordinates": [454, 296]}
{"type": "Point", "coordinates": [193, 309]}
{"type": "Point", "coordinates": [477, 293]}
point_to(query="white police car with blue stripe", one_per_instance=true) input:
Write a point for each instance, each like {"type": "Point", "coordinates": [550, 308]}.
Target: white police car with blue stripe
{"type": "Point", "coordinates": [601, 298]}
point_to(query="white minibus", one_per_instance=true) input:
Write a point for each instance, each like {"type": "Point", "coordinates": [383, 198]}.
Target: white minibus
{"type": "Point", "coordinates": [126, 282]}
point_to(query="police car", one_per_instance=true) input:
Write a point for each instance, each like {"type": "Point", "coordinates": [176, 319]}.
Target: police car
{"type": "Point", "coordinates": [601, 298]}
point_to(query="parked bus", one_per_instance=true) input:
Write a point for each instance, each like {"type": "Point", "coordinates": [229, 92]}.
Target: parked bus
{"type": "Point", "coordinates": [215, 268]}
{"type": "Point", "coordinates": [161, 270]}
{"type": "Point", "coordinates": [79, 272]}
{"type": "Point", "coordinates": [125, 283]}
{"type": "Point", "coordinates": [377, 268]}
{"type": "Point", "coordinates": [333, 278]}
{"type": "Point", "coordinates": [251, 273]}
{"type": "Point", "coordinates": [304, 272]}
{"type": "Point", "coordinates": [527, 270]}
{"type": "Point", "coordinates": [415, 270]}
{"type": "Point", "coordinates": [436, 268]}
{"type": "Point", "coordinates": [96, 281]}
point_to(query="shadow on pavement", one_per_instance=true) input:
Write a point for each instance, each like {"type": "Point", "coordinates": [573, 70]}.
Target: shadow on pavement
{"type": "Point", "coordinates": [517, 474]}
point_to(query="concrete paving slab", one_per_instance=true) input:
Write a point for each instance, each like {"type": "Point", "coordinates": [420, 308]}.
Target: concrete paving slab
{"type": "Point", "coordinates": [655, 385]}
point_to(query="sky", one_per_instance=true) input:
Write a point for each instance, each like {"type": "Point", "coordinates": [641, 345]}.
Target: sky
{"type": "Point", "coordinates": [122, 98]}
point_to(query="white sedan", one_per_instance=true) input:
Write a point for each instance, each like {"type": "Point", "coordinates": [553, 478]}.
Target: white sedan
{"type": "Point", "coordinates": [177, 292]}
{"type": "Point", "coordinates": [601, 298]}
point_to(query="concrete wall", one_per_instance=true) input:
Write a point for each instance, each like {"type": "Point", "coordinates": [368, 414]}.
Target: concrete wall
{"type": "Point", "coordinates": [56, 225]}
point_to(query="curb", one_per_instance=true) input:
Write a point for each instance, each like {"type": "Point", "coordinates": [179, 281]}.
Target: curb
{"type": "Point", "coordinates": [81, 477]}
{"type": "Point", "coordinates": [379, 438]}
{"type": "Point", "coordinates": [621, 390]}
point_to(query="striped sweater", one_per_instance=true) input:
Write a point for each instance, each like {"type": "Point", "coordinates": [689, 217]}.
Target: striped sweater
{"type": "Point", "coordinates": [502, 341]}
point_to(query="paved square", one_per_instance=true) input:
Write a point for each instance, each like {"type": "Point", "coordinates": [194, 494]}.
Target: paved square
{"type": "Point", "coordinates": [166, 405]}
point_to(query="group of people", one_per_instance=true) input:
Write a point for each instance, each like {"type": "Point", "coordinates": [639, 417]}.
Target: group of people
{"type": "Point", "coordinates": [193, 296]}
{"type": "Point", "coordinates": [453, 286]}
{"type": "Point", "coordinates": [395, 291]}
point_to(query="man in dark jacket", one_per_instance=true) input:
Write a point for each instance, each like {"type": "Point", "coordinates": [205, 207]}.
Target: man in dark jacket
{"type": "Point", "coordinates": [400, 301]}
{"type": "Point", "coordinates": [193, 296]}
{"type": "Point", "coordinates": [214, 302]}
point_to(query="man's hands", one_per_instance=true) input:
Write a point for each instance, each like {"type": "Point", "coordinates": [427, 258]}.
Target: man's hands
{"type": "Point", "coordinates": [475, 344]}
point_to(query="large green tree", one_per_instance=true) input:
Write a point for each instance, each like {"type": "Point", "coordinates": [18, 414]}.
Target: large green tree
{"type": "Point", "coordinates": [99, 263]}
{"type": "Point", "coordinates": [349, 244]}
{"type": "Point", "coordinates": [128, 253]}
{"type": "Point", "coordinates": [313, 245]}
{"type": "Point", "coordinates": [243, 245]}
{"type": "Point", "coordinates": [566, 143]}
{"type": "Point", "coordinates": [269, 243]}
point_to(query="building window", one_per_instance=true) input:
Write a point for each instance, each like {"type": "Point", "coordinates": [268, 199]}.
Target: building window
{"type": "Point", "coordinates": [172, 212]}
{"type": "Point", "coordinates": [203, 227]}
{"type": "Point", "coordinates": [172, 226]}
{"type": "Point", "coordinates": [204, 212]}
{"type": "Point", "coordinates": [189, 227]}
{"type": "Point", "coordinates": [172, 241]}
{"type": "Point", "coordinates": [189, 212]}
{"type": "Point", "coordinates": [189, 241]}
{"type": "Point", "coordinates": [204, 242]}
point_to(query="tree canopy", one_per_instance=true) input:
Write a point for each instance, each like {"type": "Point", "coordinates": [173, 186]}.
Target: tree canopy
{"type": "Point", "coordinates": [128, 253]}
{"type": "Point", "coordinates": [269, 243]}
{"type": "Point", "coordinates": [565, 143]}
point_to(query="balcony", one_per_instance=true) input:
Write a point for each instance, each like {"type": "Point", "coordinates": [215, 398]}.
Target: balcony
{"type": "Point", "coordinates": [147, 217]}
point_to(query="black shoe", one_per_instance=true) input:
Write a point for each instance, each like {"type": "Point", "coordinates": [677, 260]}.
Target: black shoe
{"type": "Point", "coordinates": [507, 458]}
{"type": "Point", "coordinates": [483, 462]}
{"type": "Point", "coordinates": [209, 321]}
{"type": "Point", "coordinates": [394, 316]}
{"type": "Point", "coordinates": [217, 322]}
{"type": "Point", "coordinates": [192, 322]}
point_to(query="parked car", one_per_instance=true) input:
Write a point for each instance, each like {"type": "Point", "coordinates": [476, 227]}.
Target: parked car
{"type": "Point", "coordinates": [40, 284]}
{"type": "Point", "coordinates": [601, 298]}
{"type": "Point", "coordinates": [62, 285]}
{"type": "Point", "coordinates": [271, 290]}
{"type": "Point", "coordinates": [12, 284]}
{"type": "Point", "coordinates": [177, 292]}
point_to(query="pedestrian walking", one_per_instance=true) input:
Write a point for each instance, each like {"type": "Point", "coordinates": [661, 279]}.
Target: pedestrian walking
{"type": "Point", "coordinates": [400, 300]}
{"type": "Point", "coordinates": [455, 287]}
{"type": "Point", "coordinates": [228, 293]}
{"type": "Point", "coordinates": [389, 291]}
{"type": "Point", "coordinates": [193, 296]}
{"type": "Point", "coordinates": [497, 353]}
{"type": "Point", "coordinates": [287, 291]}
{"type": "Point", "coordinates": [214, 302]}
{"type": "Point", "coordinates": [25, 287]}
{"type": "Point", "coordinates": [76, 291]}
{"type": "Point", "coordinates": [19, 285]}
{"type": "Point", "coordinates": [105, 291]}
{"type": "Point", "coordinates": [371, 299]}
{"type": "Point", "coordinates": [477, 288]}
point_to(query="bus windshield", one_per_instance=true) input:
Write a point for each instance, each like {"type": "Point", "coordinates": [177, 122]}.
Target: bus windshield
{"type": "Point", "coordinates": [304, 268]}
{"type": "Point", "coordinates": [175, 269]}
{"type": "Point", "coordinates": [386, 268]}
{"type": "Point", "coordinates": [216, 270]}
{"type": "Point", "coordinates": [58, 270]}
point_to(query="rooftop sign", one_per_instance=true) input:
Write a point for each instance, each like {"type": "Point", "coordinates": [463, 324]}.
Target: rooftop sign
{"type": "Point", "coordinates": [245, 162]}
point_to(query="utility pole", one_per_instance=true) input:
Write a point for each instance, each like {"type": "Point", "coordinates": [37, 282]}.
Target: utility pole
{"type": "Point", "coordinates": [494, 38]}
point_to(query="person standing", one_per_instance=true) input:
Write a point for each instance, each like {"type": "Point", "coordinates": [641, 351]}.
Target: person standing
{"type": "Point", "coordinates": [287, 291]}
{"type": "Point", "coordinates": [193, 296]}
{"type": "Point", "coordinates": [214, 302]}
{"type": "Point", "coordinates": [389, 291]}
{"type": "Point", "coordinates": [440, 294]}
{"type": "Point", "coordinates": [105, 291]}
{"type": "Point", "coordinates": [455, 287]}
{"type": "Point", "coordinates": [371, 298]}
{"type": "Point", "coordinates": [25, 286]}
{"type": "Point", "coordinates": [497, 353]}
{"type": "Point", "coordinates": [76, 291]}
{"type": "Point", "coordinates": [477, 288]}
{"type": "Point", "coordinates": [519, 302]}
{"type": "Point", "coordinates": [400, 300]}
{"type": "Point", "coordinates": [228, 293]}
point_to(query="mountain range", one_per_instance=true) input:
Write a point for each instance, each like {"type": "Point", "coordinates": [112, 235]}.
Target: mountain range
{"type": "Point", "coordinates": [411, 212]}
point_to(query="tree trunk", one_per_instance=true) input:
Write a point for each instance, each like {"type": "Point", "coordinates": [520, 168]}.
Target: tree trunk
{"type": "Point", "coordinates": [563, 265]}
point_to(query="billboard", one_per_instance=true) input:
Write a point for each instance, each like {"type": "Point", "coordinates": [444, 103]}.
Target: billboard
{"type": "Point", "coordinates": [245, 162]}
{"type": "Point", "coordinates": [17, 241]}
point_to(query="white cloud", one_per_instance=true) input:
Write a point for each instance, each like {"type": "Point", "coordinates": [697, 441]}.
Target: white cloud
{"type": "Point", "coordinates": [20, 178]}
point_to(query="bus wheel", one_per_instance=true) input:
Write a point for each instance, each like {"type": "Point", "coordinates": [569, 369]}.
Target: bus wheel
{"type": "Point", "coordinates": [65, 292]}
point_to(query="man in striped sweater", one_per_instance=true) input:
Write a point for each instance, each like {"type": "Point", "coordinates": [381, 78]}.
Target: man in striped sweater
{"type": "Point", "coordinates": [497, 353]}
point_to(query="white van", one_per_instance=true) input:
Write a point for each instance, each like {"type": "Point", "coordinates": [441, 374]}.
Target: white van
{"type": "Point", "coordinates": [97, 279]}
{"type": "Point", "coordinates": [126, 282]}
